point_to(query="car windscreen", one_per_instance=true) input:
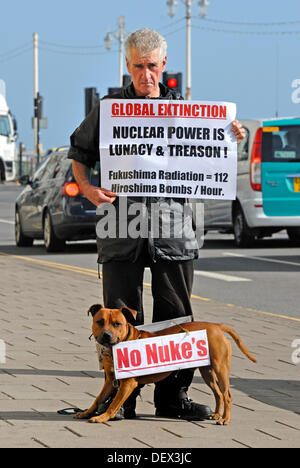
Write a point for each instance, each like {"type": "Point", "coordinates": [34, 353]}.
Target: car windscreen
{"type": "Point", "coordinates": [4, 126]}
{"type": "Point", "coordinates": [281, 144]}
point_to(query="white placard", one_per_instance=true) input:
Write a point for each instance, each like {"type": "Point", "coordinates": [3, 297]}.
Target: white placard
{"type": "Point", "coordinates": [177, 149]}
{"type": "Point", "coordinates": [161, 354]}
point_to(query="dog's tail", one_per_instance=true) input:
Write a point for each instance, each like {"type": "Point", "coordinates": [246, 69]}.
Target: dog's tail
{"type": "Point", "coordinates": [238, 341]}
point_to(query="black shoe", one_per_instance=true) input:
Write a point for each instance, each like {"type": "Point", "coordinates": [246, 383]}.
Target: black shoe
{"type": "Point", "coordinates": [129, 413]}
{"type": "Point", "coordinates": [130, 404]}
{"type": "Point", "coordinates": [185, 409]}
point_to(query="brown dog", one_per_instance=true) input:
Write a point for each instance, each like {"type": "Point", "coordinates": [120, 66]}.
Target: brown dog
{"type": "Point", "coordinates": [112, 326]}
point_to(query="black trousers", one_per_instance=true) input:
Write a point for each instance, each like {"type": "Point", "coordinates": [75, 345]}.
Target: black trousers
{"type": "Point", "coordinates": [172, 283]}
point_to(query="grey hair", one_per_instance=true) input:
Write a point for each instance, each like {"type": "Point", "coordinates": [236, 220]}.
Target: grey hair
{"type": "Point", "coordinates": [146, 40]}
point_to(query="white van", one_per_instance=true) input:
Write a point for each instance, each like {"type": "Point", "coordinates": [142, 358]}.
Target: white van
{"type": "Point", "coordinates": [8, 137]}
{"type": "Point", "coordinates": [268, 189]}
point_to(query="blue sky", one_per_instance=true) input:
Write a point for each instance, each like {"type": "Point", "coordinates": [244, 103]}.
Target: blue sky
{"type": "Point", "coordinates": [244, 51]}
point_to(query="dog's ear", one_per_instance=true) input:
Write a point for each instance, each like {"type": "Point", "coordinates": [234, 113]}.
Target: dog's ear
{"type": "Point", "coordinates": [94, 309]}
{"type": "Point", "coordinates": [130, 315]}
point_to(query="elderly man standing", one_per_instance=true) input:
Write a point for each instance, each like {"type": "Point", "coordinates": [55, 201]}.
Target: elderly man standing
{"type": "Point", "coordinates": [124, 259]}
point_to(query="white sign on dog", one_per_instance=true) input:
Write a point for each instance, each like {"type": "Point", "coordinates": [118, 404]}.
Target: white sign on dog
{"type": "Point", "coordinates": [161, 354]}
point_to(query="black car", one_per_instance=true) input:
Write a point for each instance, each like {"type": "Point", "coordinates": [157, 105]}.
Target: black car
{"type": "Point", "coordinates": [52, 206]}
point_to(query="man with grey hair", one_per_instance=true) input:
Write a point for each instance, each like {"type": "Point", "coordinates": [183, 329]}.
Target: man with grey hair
{"type": "Point", "coordinates": [124, 259]}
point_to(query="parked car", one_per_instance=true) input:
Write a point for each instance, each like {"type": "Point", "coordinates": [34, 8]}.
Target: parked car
{"type": "Point", "coordinates": [52, 206]}
{"type": "Point", "coordinates": [268, 193]}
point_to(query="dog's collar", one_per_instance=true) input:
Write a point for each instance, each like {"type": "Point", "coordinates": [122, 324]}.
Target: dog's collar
{"type": "Point", "coordinates": [138, 337]}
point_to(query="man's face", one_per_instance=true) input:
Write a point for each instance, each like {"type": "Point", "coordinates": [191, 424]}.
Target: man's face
{"type": "Point", "coordinates": [146, 72]}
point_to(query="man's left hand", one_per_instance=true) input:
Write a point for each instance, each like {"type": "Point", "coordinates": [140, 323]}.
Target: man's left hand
{"type": "Point", "coordinates": [238, 130]}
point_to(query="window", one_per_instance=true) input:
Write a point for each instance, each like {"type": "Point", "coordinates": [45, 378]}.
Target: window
{"type": "Point", "coordinates": [281, 144]}
{"type": "Point", "coordinates": [243, 147]}
{"type": "Point", "coordinates": [51, 167]}
{"type": "Point", "coordinates": [4, 126]}
{"type": "Point", "coordinates": [39, 172]}
{"type": "Point", "coordinates": [63, 166]}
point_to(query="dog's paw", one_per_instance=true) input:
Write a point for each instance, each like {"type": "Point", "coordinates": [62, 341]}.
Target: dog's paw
{"type": "Point", "coordinates": [215, 417]}
{"type": "Point", "coordinates": [223, 422]}
{"type": "Point", "coordinates": [82, 415]}
{"type": "Point", "coordinates": [99, 419]}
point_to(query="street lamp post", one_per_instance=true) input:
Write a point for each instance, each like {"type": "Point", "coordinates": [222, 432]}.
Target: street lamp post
{"type": "Point", "coordinates": [202, 10]}
{"type": "Point", "coordinates": [121, 35]}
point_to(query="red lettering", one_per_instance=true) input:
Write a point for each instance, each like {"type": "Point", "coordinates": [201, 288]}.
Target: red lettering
{"type": "Point", "coordinates": [174, 348]}
{"type": "Point", "coordinates": [137, 109]}
{"type": "Point", "coordinates": [122, 358]}
{"type": "Point", "coordinates": [145, 110]}
{"type": "Point", "coordinates": [215, 111]}
{"type": "Point", "coordinates": [115, 109]}
{"type": "Point", "coordinates": [195, 110]}
{"type": "Point", "coordinates": [202, 347]}
{"type": "Point", "coordinates": [202, 107]}
{"type": "Point", "coordinates": [161, 108]}
{"type": "Point", "coordinates": [164, 353]}
{"type": "Point", "coordinates": [151, 353]}
{"type": "Point", "coordinates": [135, 358]}
{"type": "Point", "coordinates": [121, 110]}
{"type": "Point", "coordinates": [223, 112]}
{"type": "Point", "coordinates": [129, 108]}
{"type": "Point", "coordinates": [186, 350]}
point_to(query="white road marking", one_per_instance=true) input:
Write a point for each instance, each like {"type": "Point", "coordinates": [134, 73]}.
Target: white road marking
{"type": "Point", "coordinates": [261, 259]}
{"type": "Point", "coordinates": [6, 221]}
{"type": "Point", "coordinates": [221, 277]}
{"type": "Point", "coordinates": [216, 276]}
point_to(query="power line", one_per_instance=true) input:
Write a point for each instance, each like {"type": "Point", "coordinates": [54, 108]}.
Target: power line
{"type": "Point", "coordinates": [173, 32]}
{"type": "Point", "coordinates": [281, 23]}
{"type": "Point", "coordinates": [64, 46]}
{"type": "Point", "coordinates": [64, 52]}
{"type": "Point", "coordinates": [12, 51]}
{"type": "Point", "coordinates": [258, 33]}
{"type": "Point", "coordinates": [11, 57]}
{"type": "Point", "coordinates": [171, 24]}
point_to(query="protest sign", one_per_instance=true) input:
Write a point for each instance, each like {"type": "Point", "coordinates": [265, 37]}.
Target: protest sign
{"type": "Point", "coordinates": [161, 354]}
{"type": "Point", "coordinates": [159, 148]}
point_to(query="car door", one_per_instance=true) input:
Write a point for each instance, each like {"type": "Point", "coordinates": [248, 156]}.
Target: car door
{"type": "Point", "coordinates": [27, 205]}
{"type": "Point", "coordinates": [42, 190]}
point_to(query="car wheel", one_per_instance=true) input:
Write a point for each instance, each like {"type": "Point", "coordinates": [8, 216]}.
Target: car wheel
{"type": "Point", "coordinates": [2, 172]}
{"type": "Point", "coordinates": [52, 243]}
{"type": "Point", "coordinates": [294, 235]}
{"type": "Point", "coordinates": [20, 238]}
{"type": "Point", "coordinates": [243, 235]}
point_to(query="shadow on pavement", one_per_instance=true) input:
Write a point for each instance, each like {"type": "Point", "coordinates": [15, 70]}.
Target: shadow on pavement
{"type": "Point", "coordinates": [282, 394]}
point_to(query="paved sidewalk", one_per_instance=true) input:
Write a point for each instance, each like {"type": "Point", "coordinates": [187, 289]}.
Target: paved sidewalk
{"type": "Point", "coordinates": [51, 364]}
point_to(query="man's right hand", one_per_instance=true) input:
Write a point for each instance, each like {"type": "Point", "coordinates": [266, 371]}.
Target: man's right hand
{"type": "Point", "coordinates": [97, 196]}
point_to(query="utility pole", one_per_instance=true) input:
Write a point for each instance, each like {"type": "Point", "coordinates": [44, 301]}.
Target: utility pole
{"type": "Point", "coordinates": [202, 9]}
{"type": "Point", "coordinates": [121, 35]}
{"type": "Point", "coordinates": [188, 95]}
{"type": "Point", "coordinates": [36, 129]}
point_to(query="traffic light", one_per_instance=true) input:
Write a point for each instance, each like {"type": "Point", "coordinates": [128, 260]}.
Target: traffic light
{"type": "Point", "coordinates": [91, 99]}
{"type": "Point", "coordinates": [112, 91]}
{"type": "Point", "coordinates": [173, 81]}
{"type": "Point", "coordinates": [38, 106]}
{"type": "Point", "coordinates": [126, 82]}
